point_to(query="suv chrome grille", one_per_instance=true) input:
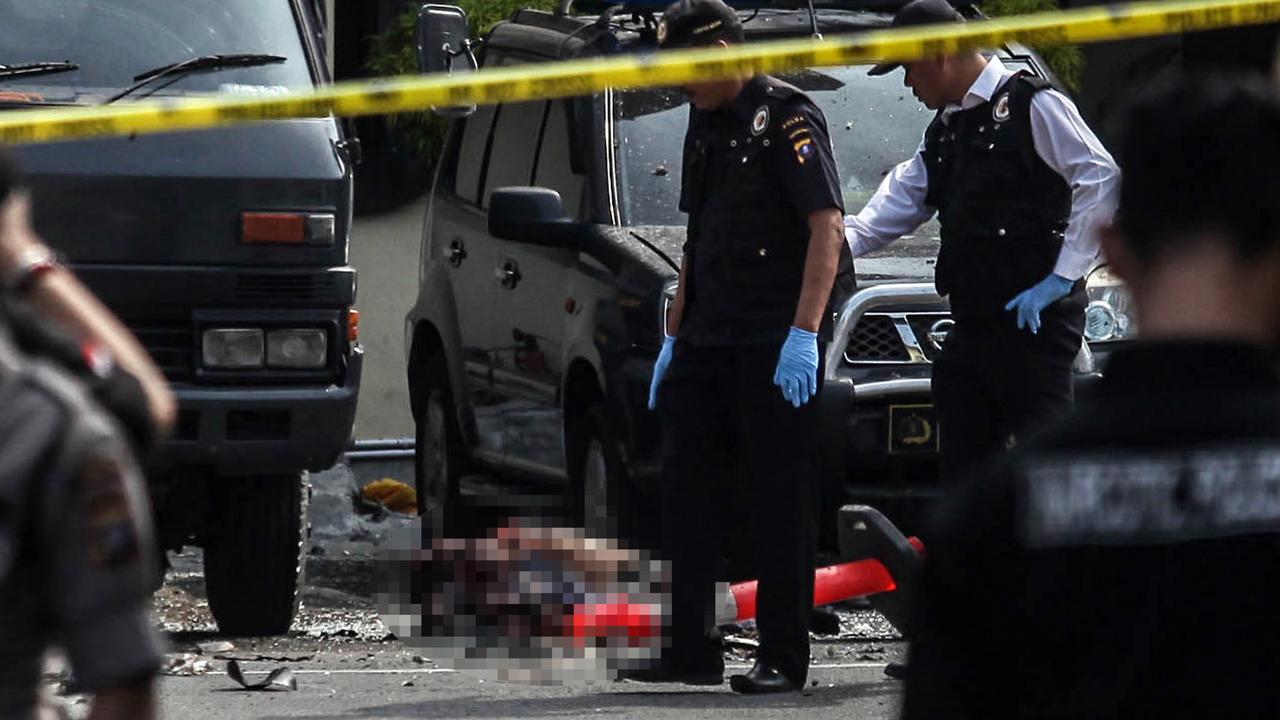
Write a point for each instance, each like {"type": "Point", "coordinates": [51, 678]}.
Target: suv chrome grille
{"type": "Point", "coordinates": [875, 339]}
{"type": "Point", "coordinates": [922, 325]}
{"type": "Point", "coordinates": [879, 338]}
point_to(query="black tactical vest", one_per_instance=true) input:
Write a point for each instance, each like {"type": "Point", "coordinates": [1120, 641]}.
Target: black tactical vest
{"type": "Point", "coordinates": [747, 245]}
{"type": "Point", "coordinates": [1003, 211]}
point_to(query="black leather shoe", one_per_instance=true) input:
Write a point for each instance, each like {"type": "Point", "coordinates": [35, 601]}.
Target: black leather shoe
{"type": "Point", "coordinates": [897, 670]}
{"type": "Point", "coordinates": [686, 676]}
{"type": "Point", "coordinates": [761, 680]}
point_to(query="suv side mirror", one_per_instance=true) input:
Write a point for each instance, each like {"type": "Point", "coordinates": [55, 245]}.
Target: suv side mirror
{"type": "Point", "coordinates": [444, 46]}
{"type": "Point", "coordinates": [531, 215]}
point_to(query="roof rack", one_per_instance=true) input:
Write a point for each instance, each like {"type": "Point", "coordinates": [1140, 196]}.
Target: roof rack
{"type": "Point", "coordinates": [592, 7]}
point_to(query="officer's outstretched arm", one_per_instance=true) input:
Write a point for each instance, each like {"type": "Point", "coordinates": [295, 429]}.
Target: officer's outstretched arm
{"type": "Point", "coordinates": [897, 208]}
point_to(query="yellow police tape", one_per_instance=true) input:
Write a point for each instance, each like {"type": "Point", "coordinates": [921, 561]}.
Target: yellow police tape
{"type": "Point", "coordinates": [584, 76]}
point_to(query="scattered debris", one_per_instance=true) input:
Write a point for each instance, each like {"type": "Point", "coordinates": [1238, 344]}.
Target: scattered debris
{"type": "Point", "coordinates": [661, 171]}
{"type": "Point", "coordinates": [213, 648]}
{"type": "Point", "coordinates": [186, 665]}
{"type": "Point", "coordinates": [407, 683]}
{"type": "Point", "coordinates": [266, 658]}
{"type": "Point", "coordinates": [279, 679]}
{"type": "Point", "coordinates": [391, 495]}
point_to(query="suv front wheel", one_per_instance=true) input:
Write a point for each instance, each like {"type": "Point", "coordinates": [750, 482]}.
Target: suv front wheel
{"type": "Point", "coordinates": [607, 504]}
{"type": "Point", "coordinates": [438, 447]}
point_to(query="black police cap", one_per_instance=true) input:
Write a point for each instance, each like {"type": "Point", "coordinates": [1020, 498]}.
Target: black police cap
{"type": "Point", "coordinates": [919, 12]}
{"type": "Point", "coordinates": [693, 23]}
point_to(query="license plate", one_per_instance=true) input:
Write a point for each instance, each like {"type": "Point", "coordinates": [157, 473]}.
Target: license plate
{"type": "Point", "coordinates": [913, 429]}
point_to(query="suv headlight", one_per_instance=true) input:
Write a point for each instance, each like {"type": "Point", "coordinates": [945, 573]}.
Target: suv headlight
{"type": "Point", "coordinates": [1109, 314]}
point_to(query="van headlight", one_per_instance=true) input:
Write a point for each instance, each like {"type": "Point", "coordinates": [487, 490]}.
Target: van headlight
{"type": "Point", "coordinates": [1109, 315]}
{"type": "Point", "coordinates": [302, 348]}
{"type": "Point", "coordinates": [232, 348]}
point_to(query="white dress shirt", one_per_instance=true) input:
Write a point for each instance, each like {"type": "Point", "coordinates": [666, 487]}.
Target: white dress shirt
{"type": "Point", "coordinates": [1061, 139]}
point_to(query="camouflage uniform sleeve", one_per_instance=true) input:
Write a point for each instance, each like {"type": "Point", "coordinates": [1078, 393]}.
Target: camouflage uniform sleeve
{"type": "Point", "coordinates": [101, 560]}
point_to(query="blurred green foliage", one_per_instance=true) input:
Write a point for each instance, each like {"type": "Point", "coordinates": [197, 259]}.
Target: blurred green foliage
{"type": "Point", "coordinates": [394, 52]}
{"type": "Point", "coordinates": [1067, 61]}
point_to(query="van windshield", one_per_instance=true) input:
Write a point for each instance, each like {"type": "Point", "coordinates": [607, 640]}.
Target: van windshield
{"type": "Point", "coordinates": [114, 40]}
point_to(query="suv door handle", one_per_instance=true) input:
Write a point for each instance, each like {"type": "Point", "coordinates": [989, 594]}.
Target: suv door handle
{"type": "Point", "coordinates": [508, 275]}
{"type": "Point", "coordinates": [456, 253]}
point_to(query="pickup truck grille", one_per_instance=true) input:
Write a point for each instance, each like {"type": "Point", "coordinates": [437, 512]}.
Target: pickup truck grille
{"type": "Point", "coordinates": [880, 338]}
{"type": "Point", "coordinates": [171, 346]}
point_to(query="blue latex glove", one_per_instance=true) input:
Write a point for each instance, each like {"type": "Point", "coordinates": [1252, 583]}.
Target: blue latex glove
{"type": "Point", "coordinates": [1031, 301]}
{"type": "Point", "coordinates": [660, 369]}
{"type": "Point", "coordinates": [797, 372]}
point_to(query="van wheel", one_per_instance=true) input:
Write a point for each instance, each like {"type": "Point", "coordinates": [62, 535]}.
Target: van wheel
{"type": "Point", "coordinates": [605, 502]}
{"type": "Point", "coordinates": [437, 454]}
{"type": "Point", "coordinates": [255, 559]}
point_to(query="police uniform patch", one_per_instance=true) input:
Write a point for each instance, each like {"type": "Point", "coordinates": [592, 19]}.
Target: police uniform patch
{"type": "Point", "coordinates": [804, 149]}
{"type": "Point", "coordinates": [760, 122]}
{"type": "Point", "coordinates": [110, 535]}
{"type": "Point", "coordinates": [792, 121]}
{"type": "Point", "coordinates": [1001, 112]}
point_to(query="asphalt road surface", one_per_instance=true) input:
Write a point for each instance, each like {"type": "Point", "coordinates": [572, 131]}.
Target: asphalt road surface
{"type": "Point", "coordinates": [345, 684]}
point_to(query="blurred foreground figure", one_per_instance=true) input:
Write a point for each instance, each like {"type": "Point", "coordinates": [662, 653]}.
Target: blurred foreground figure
{"type": "Point", "coordinates": [52, 316]}
{"type": "Point", "coordinates": [521, 603]}
{"type": "Point", "coordinates": [1127, 563]}
{"type": "Point", "coordinates": [76, 552]}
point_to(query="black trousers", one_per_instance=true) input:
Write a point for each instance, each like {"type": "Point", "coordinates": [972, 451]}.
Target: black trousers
{"type": "Point", "coordinates": [993, 383]}
{"type": "Point", "coordinates": [726, 428]}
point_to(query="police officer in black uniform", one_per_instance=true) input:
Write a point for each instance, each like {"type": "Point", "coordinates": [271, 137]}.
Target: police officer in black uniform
{"type": "Point", "coordinates": [1020, 185]}
{"type": "Point", "coordinates": [1127, 563]}
{"type": "Point", "coordinates": [735, 382]}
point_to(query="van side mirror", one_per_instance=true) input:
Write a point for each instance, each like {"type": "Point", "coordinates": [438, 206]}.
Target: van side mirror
{"type": "Point", "coordinates": [444, 46]}
{"type": "Point", "coordinates": [531, 215]}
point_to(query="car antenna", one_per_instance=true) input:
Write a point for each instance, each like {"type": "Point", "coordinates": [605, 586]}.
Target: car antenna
{"type": "Point", "coordinates": [813, 21]}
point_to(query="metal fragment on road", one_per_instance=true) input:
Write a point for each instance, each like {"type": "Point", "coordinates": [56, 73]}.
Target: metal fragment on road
{"type": "Point", "coordinates": [212, 648]}
{"type": "Point", "coordinates": [279, 679]}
